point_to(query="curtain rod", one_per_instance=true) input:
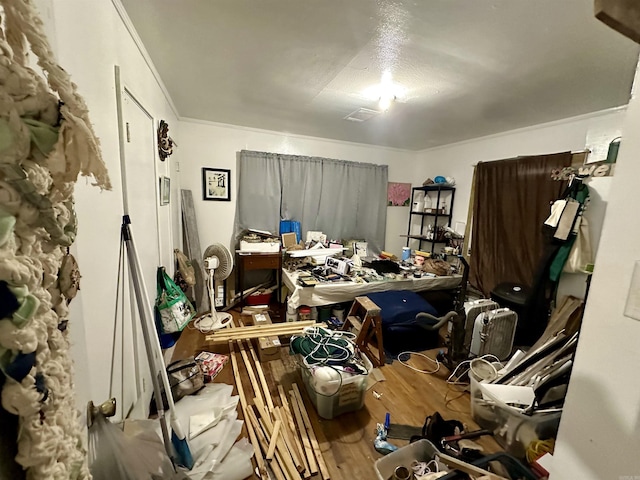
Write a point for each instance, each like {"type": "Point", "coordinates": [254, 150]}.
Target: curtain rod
{"type": "Point", "coordinates": [573, 152]}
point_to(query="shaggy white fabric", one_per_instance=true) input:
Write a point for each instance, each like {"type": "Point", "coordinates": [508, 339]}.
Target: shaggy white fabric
{"type": "Point", "coordinates": [36, 187]}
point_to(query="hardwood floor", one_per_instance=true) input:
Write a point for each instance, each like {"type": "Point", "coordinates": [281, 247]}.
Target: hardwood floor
{"type": "Point", "coordinates": [347, 440]}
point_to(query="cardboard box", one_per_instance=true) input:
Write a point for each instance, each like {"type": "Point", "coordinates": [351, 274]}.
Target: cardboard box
{"type": "Point", "coordinates": [267, 348]}
{"type": "Point", "coordinates": [211, 364]}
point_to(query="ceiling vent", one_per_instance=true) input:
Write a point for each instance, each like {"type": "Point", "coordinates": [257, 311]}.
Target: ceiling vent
{"type": "Point", "coordinates": [362, 115]}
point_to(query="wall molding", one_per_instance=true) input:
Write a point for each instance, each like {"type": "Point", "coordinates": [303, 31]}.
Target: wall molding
{"type": "Point", "coordinates": [292, 135]}
{"type": "Point", "coordinates": [554, 123]}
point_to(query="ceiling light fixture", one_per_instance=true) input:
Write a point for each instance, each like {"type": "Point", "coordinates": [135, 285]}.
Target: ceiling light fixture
{"type": "Point", "coordinates": [386, 99]}
{"type": "Point", "coordinates": [385, 93]}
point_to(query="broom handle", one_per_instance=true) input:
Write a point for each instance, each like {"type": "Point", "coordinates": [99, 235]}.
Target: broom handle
{"type": "Point", "coordinates": [154, 339]}
{"type": "Point", "coordinates": [135, 277]}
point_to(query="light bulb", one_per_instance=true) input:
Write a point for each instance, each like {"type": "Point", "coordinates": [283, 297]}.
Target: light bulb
{"type": "Point", "coordinates": [385, 101]}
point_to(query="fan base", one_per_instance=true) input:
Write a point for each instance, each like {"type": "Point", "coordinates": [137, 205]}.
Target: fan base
{"type": "Point", "coordinates": [209, 322]}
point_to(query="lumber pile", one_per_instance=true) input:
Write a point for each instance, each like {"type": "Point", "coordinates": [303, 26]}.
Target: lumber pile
{"type": "Point", "coordinates": [282, 436]}
{"type": "Point", "coordinates": [246, 333]}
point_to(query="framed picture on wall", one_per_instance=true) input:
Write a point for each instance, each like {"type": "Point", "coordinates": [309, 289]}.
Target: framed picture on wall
{"type": "Point", "coordinates": [165, 190]}
{"type": "Point", "coordinates": [216, 184]}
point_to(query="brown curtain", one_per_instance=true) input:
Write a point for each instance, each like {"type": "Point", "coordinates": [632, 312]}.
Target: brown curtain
{"type": "Point", "coordinates": [511, 202]}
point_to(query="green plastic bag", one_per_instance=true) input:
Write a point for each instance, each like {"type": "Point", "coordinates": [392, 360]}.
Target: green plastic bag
{"type": "Point", "coordinates": [173, 305]}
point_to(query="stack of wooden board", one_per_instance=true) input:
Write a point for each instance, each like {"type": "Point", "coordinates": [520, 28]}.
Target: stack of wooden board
{"type": "Point", "coordinates": [282, 435]}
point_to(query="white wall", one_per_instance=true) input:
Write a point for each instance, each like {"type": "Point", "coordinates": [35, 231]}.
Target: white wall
{"type": "Point", "coordinates": [90, 39]}
{"type": "Point", "coordinates": [215, 145]}
{"type": "Point", "coordinates": [599, 435]}
{"type": "Point", "coordinates": [571, 134]}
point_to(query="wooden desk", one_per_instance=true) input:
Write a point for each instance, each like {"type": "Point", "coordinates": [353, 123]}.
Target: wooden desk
{"type": "Point", "coordinates": [246, 261]}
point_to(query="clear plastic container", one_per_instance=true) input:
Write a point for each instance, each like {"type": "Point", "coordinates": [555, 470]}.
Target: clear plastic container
{"type": "Point", "coordinates": [344, 397]}
{"type": "Point", "coordinates": [420, 451]}
{"type": "Point", "coordinates": [513, 430]}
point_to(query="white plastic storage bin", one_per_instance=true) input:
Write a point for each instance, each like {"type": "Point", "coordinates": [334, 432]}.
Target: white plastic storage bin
{"type": "Point", "coordinates": [332, 398]}
{"type": "Point", "coordinates": [420, 451]}
{"type": "Point", "coordinates": [513, 430]}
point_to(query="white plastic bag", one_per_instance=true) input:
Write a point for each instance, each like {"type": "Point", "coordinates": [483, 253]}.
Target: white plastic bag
{"type": "Point", "coordinates": [113, 455]}
{"type": "Point", "coordinates": [581, 253]}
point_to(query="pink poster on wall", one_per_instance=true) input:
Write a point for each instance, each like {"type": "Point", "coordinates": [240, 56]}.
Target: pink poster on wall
{"type": "Point", "coordinates": [398, 194]}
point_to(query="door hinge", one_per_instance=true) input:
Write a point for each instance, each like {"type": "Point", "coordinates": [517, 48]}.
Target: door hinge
{"type": "Point", "coordinates": [128, 133]}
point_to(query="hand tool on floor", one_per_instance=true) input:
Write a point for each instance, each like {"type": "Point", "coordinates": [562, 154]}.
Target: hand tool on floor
{"type": "Point", "coordinates": [445, 442]}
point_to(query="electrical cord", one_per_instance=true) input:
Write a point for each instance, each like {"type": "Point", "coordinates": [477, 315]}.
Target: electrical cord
{"type": "Point", "coordinates": [484, 360]}
{"type": "Point", "coordinates": [538, 448]}
{"type": "Point", "coordinates": [420, 469]}
{"type": "Point", "coordinates": [420, 355]}
{"type": "Point", "coordinates": [322, 348]}
{"type": "Point", "coordinates": [452, 379]}
{"type": "Point", "coordinates": [447, 400]}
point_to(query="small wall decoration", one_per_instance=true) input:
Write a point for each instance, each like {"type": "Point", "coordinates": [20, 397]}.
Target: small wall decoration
{"type": "Point", "coordinates": [165, 190]}
{"type": "Point", "coordinates": [398, 194]}
{"type": "Point", "coordinates": [216, 184]}
{"type": "Point", "coordinates": [165, 143]}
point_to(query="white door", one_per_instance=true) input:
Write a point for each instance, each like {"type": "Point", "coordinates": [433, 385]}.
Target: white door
{"type": "Point", "coordinates": [140, 195]}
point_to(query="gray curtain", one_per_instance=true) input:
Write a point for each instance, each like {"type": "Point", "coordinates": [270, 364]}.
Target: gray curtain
{"type": "Point", "coordinates": [345, 200]}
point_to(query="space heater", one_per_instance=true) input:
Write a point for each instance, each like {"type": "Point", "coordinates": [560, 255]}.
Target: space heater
{"type": "Point", "coordinates": [493, 333]}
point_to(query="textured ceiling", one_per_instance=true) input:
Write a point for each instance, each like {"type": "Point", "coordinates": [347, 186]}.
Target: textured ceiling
{"type": "Point", "coordinates": [467, 68]}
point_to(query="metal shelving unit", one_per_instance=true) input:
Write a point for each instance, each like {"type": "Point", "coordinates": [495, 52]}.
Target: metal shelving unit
{"type": "Point", "coordinates": [444, 193]}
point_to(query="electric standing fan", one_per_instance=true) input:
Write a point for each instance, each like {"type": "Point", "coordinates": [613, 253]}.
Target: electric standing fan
{"type": "Point", "coordinates": [218, 264]}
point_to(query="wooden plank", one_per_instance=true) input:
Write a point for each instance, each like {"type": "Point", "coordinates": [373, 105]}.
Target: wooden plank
{"type": "Point", "coordinates": [193, 250]}
{"type": "Point", "coordinates": [264, 443]}
{"type": "Point", "coordinates": [306, 442]}
{"type": "Point", "coordinates": [355, 322]}
{"type": "Point", "coordinates": [312, 435]}
{"type": "Point", "coordinates": [245, 333]}
{"type": "Point", "coordinates": [289, 466]}
{"type": "Point", "coordinates": [265, 329]}
{"type": "Point", "coordinates": [274, 439]}
{"type": "Point", "coordinates": [621, 15]}
{"type": "Point", "coordinates": [368, 305]}
{"type": "Point", "coordinates": [278, 466]}
{"type": "Point", "coordinates": [285, 406]}
{"type": "Point", "coordinates": [288, 440]}
{"type": "Point", "coordinates": [262, 470]}
{"type": "Point", "coordinates": [466, 467]}
{"type": "Point", "coordinates": [263, 380]}
{"type": "Point", "coordinates": [286, 413]}
{"type": "Point", "coordinates": [252, 377]}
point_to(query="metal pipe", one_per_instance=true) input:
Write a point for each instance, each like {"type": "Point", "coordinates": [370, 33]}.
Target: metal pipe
{"type": "Point", "coordinates": [139, 295]}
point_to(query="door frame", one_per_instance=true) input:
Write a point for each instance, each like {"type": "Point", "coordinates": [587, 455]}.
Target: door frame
{"type": "Point", "coordinates": [143, 385]}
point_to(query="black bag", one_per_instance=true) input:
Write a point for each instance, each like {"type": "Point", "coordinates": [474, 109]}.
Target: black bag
{"type": "Point", "coordinates": [435, 428]}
